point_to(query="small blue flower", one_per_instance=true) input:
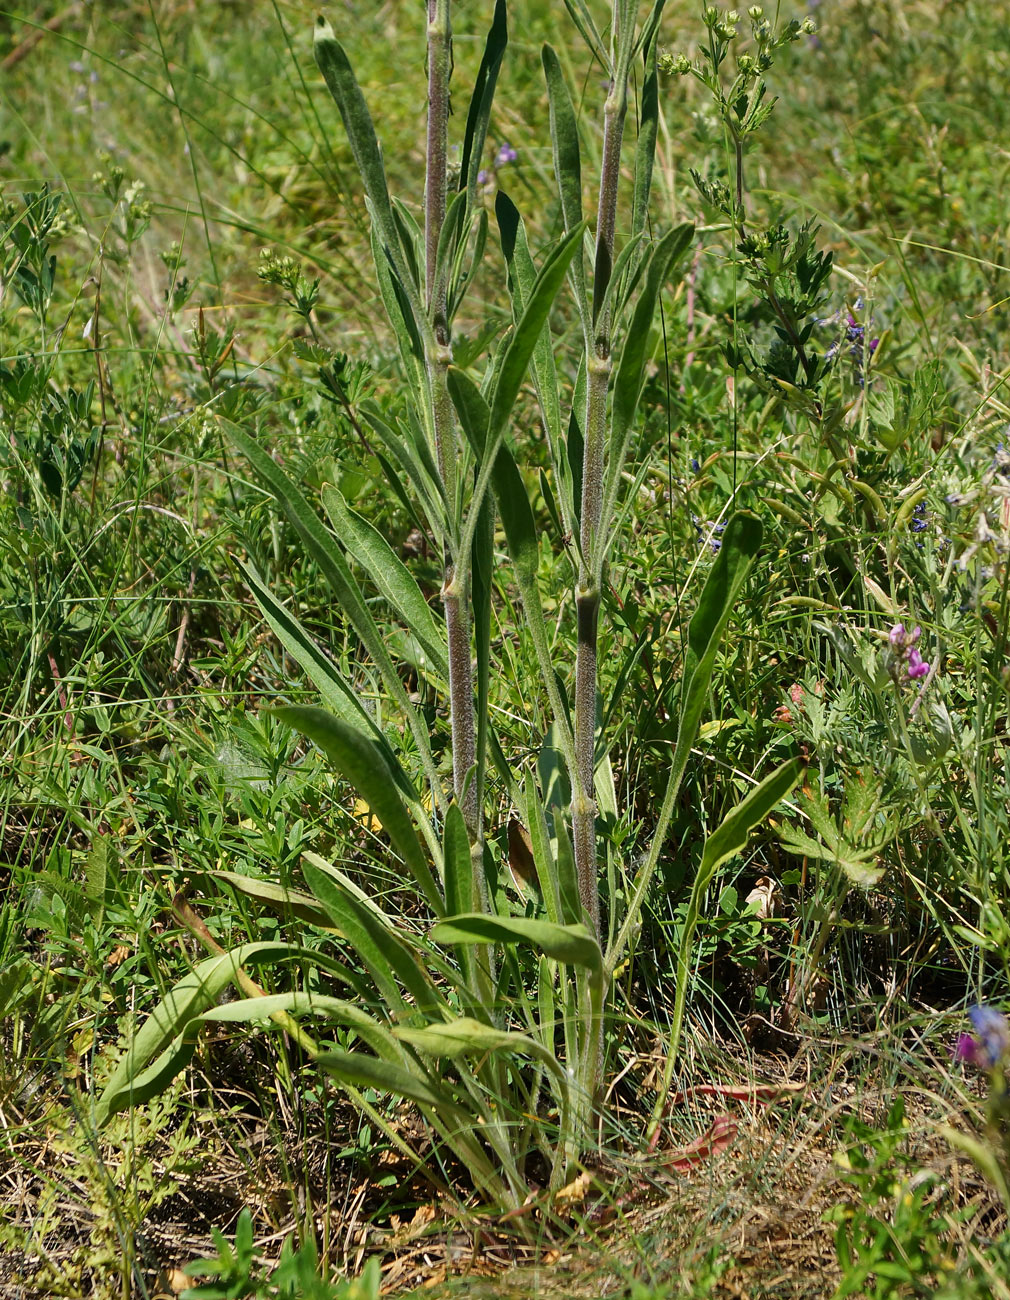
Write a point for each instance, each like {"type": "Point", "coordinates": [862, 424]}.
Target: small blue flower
{"type": "Point", "coordinates": [506, 154]}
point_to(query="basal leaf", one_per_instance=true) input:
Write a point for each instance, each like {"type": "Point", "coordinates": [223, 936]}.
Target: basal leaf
{"type": "Point", "coordinates": [573, 944]}
{"type": "Point", "coordinates": [361, 761]}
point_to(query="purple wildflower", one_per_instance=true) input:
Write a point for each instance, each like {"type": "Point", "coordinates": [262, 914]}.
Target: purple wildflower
{"type": "Point", "coordinates": [707, 531]}
{"type": "Point", "coordinates": [966, 1049]}
{"type": "Point", "coordinates": [917, 666]}
{"type": "Point", "coordinates": [482, 177]}
{"type": "Point", "coordinates": [506, 154]}
{"type": "Point", "coordinates": [991, 1045]}
{"type": "Point", "coordinates": [904, 650]}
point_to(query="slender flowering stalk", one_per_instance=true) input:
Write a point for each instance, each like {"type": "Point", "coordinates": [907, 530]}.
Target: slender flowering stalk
{"type": "Point", "coordinates": [598, 369]}
{"type": "Point", "coordinates": [456, 586]}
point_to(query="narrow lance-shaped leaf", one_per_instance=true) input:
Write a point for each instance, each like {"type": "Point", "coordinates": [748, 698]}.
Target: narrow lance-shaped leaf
{"type": "Point", "coordinates": [361, 761]}
{"type": "Point", "coordinates": [390, 575]}
{"type": "Point", "coordinates": [482, 570]}
{"type": "Point", "coordinates": [741, 543]}
{"type": "Point", "coordinates": [465, 1036]}
{"type": "Point", "coordinates": [338, 696]}
{"type": "Point", "coordinates": [584, 21]}
{"type": "Point", "coordinates": [187, 998]}
{"type": "Point", "coordinates": [522, 277]}
{"type": "Point", "coordinates": [343, 86]}
{"type": "Point", "coordinates": [327, 554]}
{"type": "Point", "coordinates": [513, 369]}
{"type": "Point", "coordinates": [631, 368]}
{"type": "Point", "coordinates": [368, 1071]}
{"type": "Point", "coordinates": [520, 533]}
{"type": "Point", "coordinates": [728, 839]}
{"type": "Point", "coordinates": [648, 126]}
{"type": "Point", "coordinates": [481, 99]}
{"type": "Point", "coordinates": [572, 944]}
{"type": "Point", "coordinates": [567, 164]}
{"type": "Point", "coordinates": [386, 956]}
{"type": "Point", "coordinates": [293, 901]}
{"type": "Point", "coordinates": [459, 882]}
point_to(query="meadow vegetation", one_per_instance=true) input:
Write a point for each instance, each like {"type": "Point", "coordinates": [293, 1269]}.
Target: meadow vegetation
{"type": "Point", "coordinates": [504, 650]}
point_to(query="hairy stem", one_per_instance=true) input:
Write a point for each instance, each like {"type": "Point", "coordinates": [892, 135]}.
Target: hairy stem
{"type": "Point", "coordinates": [439, 66]}
{"type": "Point", "coordinates": [455, 591]}
{"type": "Point", "coordinates": [587, 601]}
{"type": "Point", "coordinates": [587, 596]}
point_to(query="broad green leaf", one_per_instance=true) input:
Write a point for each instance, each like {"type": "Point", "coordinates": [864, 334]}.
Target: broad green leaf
{"type": "Point", "coordinates": [392, 577]}
{"type": "Point", "coordinates": [572, 944]}
{"type": "Point", "coordinates": [363, 1070]}
{"type": "Point", "coordinates": [293, 901]}
{"type": "Point", "coordinates": [324, 550]}
{"type": "Point", "coordinates": [192, 994]}
{"type": "Point", "coordinates": [361, 761]}
{"type": "Point", "coordinates": [378, 948]}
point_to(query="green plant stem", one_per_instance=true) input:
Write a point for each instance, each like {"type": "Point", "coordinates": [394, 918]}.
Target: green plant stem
{"type": "Point", "coordinates": [456, 588]}
{"type": "Point", "coordinates": [587, 601]}
{"type": "Point", "coordinates": [587, 596]}
{"type": "Point", "coordinates": [439, 63]}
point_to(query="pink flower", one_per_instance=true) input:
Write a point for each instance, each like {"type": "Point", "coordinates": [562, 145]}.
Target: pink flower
{"type": "Point", "coordinates": [917, 666]}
